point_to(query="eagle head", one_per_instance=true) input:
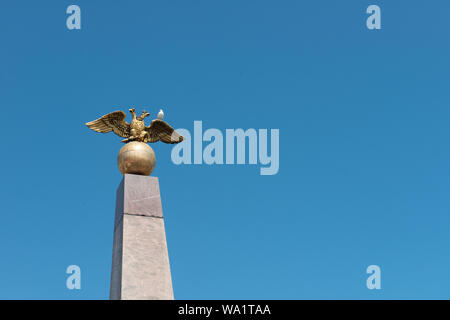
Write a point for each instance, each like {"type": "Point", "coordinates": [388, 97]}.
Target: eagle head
{"type": "Point", "coordinates": [143, 115]}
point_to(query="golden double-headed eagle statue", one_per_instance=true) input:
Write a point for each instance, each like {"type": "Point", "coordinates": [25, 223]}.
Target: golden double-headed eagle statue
{"type": "Point", "coordinates": [158, 130]}
{"type": "Point", "coordinates": [136, 156]}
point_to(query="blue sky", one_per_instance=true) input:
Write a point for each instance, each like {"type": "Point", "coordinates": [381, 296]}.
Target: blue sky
{"type": "Point", "coordinates": [364, 158]}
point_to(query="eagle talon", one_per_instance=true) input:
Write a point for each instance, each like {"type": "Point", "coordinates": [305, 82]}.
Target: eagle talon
{"type": "Point", "coordinates": [129, 139]}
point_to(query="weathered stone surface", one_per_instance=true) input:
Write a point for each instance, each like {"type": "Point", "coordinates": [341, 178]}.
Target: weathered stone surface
{"type": "Point", "coordinates": [140, 266]}
{"type": "Point", "coordinates": [141, 196]}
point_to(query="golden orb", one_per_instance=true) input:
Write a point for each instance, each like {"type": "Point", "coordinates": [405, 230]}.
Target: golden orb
{"type": "Point", "coordinates": [136, 158]}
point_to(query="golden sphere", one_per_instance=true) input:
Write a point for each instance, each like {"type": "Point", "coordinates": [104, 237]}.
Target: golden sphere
{"type": "Point", "coordinates": [136, 158]}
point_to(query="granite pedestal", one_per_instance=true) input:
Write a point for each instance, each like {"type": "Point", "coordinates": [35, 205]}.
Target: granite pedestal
{"type": "Point", "coordinates": [140, 264]}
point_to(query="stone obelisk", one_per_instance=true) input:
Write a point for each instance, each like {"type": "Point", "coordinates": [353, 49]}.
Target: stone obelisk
{"type": "Point", "coordinates": [140, 264]}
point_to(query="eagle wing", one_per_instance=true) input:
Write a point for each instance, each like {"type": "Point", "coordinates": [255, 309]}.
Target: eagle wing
{"type": "Point", "coordinates": [161, 130]}
{"type": "Point", "coordinates": [114, 121]}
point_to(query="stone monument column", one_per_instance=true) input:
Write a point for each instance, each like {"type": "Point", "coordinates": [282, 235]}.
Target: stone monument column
{"type": "Point", "coordinates": [140, 263]}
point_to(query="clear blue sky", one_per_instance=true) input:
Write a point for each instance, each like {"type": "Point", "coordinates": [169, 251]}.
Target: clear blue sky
{"type": "Point", "coordinates": [364, 157]}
